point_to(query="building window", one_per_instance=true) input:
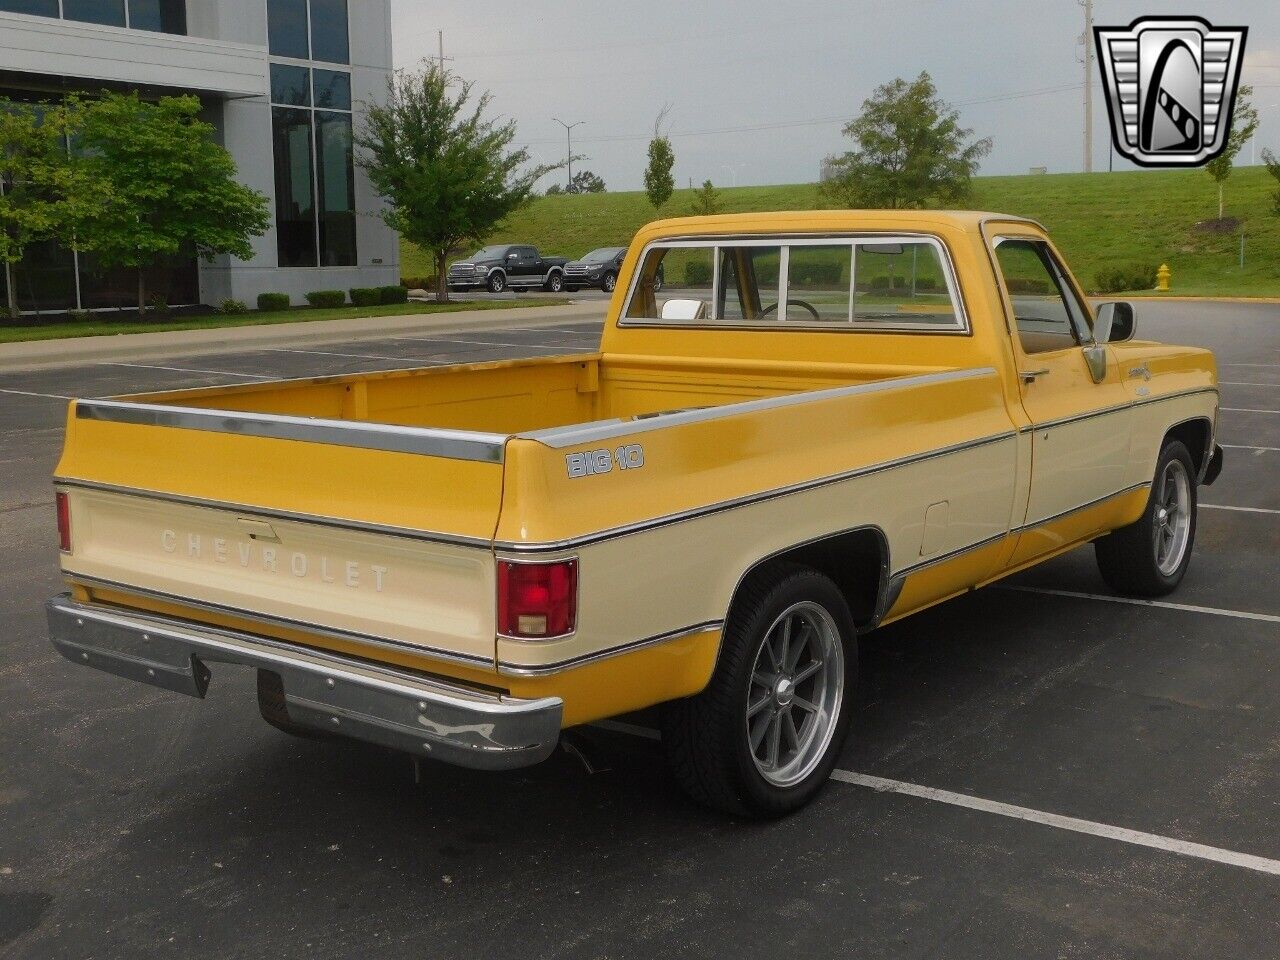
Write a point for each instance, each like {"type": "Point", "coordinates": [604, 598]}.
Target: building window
{"type": "Point", "coordinates": [329, 39]}
{"type": "Point", "coordinates": [295, 187]}
{"type": "Point", "coordinates": [315, 30]}
{"type": "Point", "coordinates": [315, 167]}
{"type": "Point", "coordinates": [109, 12]}
{"type": "Point", "coordinates": [36, 8]}
{"type": "Point", "coordinates": [287, 28]}
{"type": "Point", "coordinates": [161, 16]}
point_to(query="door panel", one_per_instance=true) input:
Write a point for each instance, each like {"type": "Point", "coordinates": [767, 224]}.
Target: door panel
{"type": "Point", "coordinates": [1080, 429]}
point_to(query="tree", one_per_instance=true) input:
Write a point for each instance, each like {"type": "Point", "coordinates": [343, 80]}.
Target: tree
{"type": "Point", "coordinates": [1244, 121]}
{"type": "Point", "coordinates": [160, 185]}
{"type": "Point", "coordinates": [658, 182]}
{"type": "Point", "coordinates": [555, 190]}
{"type": "Point", "coordinates": [706, 200]}
{"type": "Point", "coordinates": [584, 181]}
{"type": "Point", "coordinates": [447, 173]}
{"type": "Point", "coordinates": [1273, 168]}
{"type": "Point", "coordinates": [35, 195]}
{"type": "Point", "coordinates": [912, 151]}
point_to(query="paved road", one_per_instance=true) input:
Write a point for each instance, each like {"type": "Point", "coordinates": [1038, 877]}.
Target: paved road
{"type": "Point", "coordinates": [134, 823]}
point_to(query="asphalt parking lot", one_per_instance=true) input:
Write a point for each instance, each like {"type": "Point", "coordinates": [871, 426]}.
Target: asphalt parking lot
{"type": "Point", "coordinates": [1037, 769]}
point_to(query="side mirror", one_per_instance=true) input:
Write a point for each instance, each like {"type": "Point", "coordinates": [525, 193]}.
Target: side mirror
{"type": "Point", "coordinates": [1115, 323]}
{"type": "Point", "coordinates": [679, 310]}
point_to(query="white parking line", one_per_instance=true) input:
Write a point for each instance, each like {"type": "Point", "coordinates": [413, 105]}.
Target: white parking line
{"type": "Point", "coordinates": [1092, 828]}
{"type": "Point", "coordinates": [1246, 410]}
{"type": "Point", "coordinates": [485, 343]}
{"type": "Point", "coordinates": [1138, 602]}
{"type": "Point", "coordinates": [215, 373]}
{"type": "Point", "coordinates": [1240, 446]}
{"type": "Point", "coordinates": [1267, 365]}
{"type": "Point", "coordinates": [28, 393]}
{"type": "Point", "coordinates": [1244, 383]}
{"type": "Point", "coordinates": [1106, 831]}
{"type": "Point", "coordinates": [1223, 506]}
{"type": "Point", "coordinates": [354, 356]}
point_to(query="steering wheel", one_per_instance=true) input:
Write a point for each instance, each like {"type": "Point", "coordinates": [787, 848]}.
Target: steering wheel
{"type": "Point", "coordinates": [804, 303]}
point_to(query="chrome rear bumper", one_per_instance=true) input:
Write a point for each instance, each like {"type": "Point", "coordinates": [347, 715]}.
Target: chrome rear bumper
{"type": "Point", "coordinates": [324, 691]}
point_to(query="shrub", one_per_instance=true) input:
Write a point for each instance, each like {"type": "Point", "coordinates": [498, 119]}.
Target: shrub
{"type": "Point", "coordinates": [365, 296]}
{"type": "Point", "coordinates": [418, 283]}
{"type": "Point", "coordinates": [1027, 285]}
{"type": "Point", "coordinates": [396, 294]}
{"type": "Point", "coordinates": [1125, 276]}
{"type": "Point", "coordinates": [233, 306]}
{"type": "Point", "coordinates": [159, 305]}
{"type": "Point", "coordinates": [273, 301]}
{"type": "Point", "coordinates": [80, 316]}
{"type": "Point", "coordinates": [327, 298]}
{"type": "Point", "coordinates": [697, 273]}
{"type": "Point", "coordinates": [815, 274]}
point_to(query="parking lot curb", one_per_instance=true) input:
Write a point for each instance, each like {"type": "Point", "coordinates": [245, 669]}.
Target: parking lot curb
{"type": "Point", "coordinates": [45, 354]}
{"type": "Point", "coordinates": [1143, 298]}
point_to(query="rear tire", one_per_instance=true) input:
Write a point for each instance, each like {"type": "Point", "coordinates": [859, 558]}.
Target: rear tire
{"type": "Point", "coordinates": [1149, 557]}
{"type": "Point", "coordinates": [555, 283]}
{"type": "Point", "coordinates": [763, 737]}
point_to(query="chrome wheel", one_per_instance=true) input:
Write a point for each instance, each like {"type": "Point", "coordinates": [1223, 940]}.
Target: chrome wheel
{"type": "Point", "coordinates": [610, 281]}
{"type": "Point", "coordinates": [1171, 526]}
{"type": "Point", "coordinates": [797, 684]}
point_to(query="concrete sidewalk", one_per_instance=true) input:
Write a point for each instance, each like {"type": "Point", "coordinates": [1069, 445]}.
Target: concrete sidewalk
{"type": "Point", "coordinates": [41, 354]}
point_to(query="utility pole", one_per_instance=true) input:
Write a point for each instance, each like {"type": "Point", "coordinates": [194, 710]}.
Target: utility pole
{"type": "Point", "coordinates": [440, 42]}
{"type": "Point", "coordinates": [568, 138]}
{"type": "Point", "coordinates": [1087, 39]}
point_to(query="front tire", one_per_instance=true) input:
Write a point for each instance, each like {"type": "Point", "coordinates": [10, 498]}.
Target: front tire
{"type": "Point", "coordinates": [1149, 557]}
{"type": "Point", "coordinates": [764, 736]}
{"type": "Point", "coordinates": [497, 282]}
{"type": "Point", "coordinates": [609, 282]}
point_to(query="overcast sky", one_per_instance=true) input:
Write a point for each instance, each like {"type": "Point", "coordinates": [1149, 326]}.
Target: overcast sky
{"type": "Point", "coordinates": [790, 71]}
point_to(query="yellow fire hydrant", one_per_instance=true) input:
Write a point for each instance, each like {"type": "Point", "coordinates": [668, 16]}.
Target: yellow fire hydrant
{"type": "Point", "coordinates": [1162, 277]}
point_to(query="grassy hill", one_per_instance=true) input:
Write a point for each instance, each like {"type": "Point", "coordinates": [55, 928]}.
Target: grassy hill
{"type": "Point", "coordinates": [1097, 219]}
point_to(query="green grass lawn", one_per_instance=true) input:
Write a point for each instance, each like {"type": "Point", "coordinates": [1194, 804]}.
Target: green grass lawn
{"type": "Point", "coordinates": [1096, 219]}
{"type": "Point", "coordinates": [103, 325]}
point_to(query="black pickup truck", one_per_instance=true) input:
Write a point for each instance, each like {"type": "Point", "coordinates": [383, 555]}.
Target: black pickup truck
{"type": "Point", "coordinates": [508, 266]}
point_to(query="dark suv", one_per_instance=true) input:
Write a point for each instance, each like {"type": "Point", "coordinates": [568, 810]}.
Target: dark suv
{"type": "Point", "coordinates": [508, 266]}
{"type": "Point", "coordinates": [599, 268]}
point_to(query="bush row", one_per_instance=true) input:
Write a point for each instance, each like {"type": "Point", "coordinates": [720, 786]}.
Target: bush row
{"type": "Point", "coordinates": [360, 297]}
{"type": "Point", "coordinates": [1126, 276]}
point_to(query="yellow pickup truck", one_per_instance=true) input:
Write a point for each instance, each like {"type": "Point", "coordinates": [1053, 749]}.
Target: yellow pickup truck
{"type": "Point", "coordinates": [821, 423]}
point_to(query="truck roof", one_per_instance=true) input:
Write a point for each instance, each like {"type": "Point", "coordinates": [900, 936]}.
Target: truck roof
{"type": "Point", "coordinates": [811, 220]}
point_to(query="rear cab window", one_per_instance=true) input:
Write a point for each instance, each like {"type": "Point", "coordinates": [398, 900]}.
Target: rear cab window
{"type": "Point", "coordinates": [876, 283]}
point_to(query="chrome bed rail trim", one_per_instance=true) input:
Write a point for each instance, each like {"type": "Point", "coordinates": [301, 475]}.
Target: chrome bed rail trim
{"type": "Point", "coordinates": [245, 509]}
{"type": "Point", "coordinates": [452, 444]}
{"type": "Point", "coordinates": [322, 691]}
{"type": "Point", "coordinates": [559, 437]}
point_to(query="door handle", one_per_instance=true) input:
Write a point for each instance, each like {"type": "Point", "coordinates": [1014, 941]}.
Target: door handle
{"type": "Point", "coordinates": [1029, 376]}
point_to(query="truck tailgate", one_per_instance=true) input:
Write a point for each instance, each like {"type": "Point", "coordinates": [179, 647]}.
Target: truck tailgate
{"type": "Point", "coordinates": [349, 528]}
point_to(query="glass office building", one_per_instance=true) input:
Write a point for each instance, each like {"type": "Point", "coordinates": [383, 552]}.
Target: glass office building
{"type": "Point", "coordinates": [281, 80]}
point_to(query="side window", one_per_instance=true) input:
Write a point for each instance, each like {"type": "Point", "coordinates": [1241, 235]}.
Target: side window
{"type": "Point", "coordinates": [1046, 310]}
{"type": "Point", "coordinates": [902, 283]}
{"type": "Point", "coordinates": [686, 274]}
{"type": "Point", "coordinates": [748, 283]}
{"type": "Point", "coordinates": [818, 283]}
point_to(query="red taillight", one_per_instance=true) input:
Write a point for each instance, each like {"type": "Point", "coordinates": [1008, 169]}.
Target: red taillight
{"type": "Point", "coordinates": [537, 600]}
{"type": "Point", "coordinates": [64, 523]}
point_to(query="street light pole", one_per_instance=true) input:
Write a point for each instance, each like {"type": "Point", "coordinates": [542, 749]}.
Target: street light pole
{"type": "Point", "coordinates": [568, 139]}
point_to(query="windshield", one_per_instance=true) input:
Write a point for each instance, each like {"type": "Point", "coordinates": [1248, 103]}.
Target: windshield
{"type": "Point", "coordinates": [489, 253]}
{"type": "Point", "coordinates": [603, 254]}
